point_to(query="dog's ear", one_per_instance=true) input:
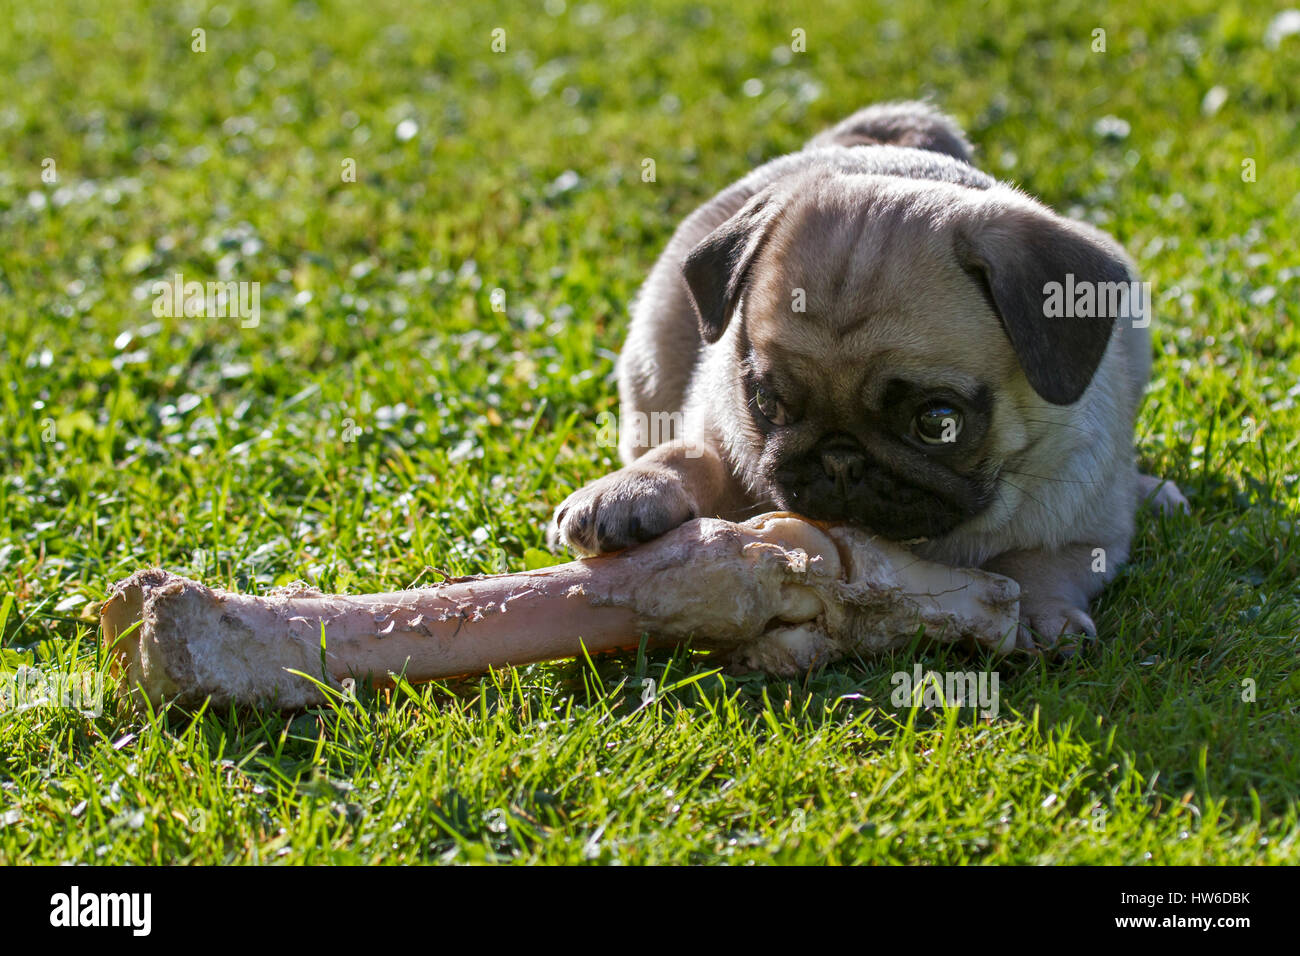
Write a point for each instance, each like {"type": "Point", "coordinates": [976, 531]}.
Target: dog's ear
{"type": "Point", "coordinates": [717, 268]}
{"type": "Point", "coordinates": [1023, 258]}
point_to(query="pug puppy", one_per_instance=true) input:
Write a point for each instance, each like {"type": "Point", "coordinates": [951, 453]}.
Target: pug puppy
{"type": "Point", "coordinates": [873, 331]}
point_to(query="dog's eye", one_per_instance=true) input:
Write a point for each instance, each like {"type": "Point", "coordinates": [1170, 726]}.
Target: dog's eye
{"type": "Point", "coordinates": [937, 424]}
{"type": "Point", "coordinates": [769, 406]}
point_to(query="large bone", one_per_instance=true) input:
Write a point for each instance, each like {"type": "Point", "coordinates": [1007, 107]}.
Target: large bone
{"type": "Point", "coordinates": [776, 593]}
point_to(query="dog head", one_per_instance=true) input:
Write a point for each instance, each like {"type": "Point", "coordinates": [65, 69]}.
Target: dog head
{"type": "Point", "coordinates": [888, 352]}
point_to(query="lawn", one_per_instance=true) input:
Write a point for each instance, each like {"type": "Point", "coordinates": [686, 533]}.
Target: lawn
{"type": "Point", "coordinates": [447, 239]}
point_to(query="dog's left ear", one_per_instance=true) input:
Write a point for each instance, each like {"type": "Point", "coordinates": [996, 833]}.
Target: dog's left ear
{"type": "Point", "coordinates": [716, 270]}
{"type": "Point", "coordinates": [1022, 257]}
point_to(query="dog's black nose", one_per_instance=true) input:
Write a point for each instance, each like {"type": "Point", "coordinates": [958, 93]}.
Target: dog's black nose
{"type": "Point", "coordinates": [843, 464]}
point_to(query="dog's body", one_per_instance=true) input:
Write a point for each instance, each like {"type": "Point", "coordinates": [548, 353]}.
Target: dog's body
{"type": "Point", "coordinates": [857, 332]}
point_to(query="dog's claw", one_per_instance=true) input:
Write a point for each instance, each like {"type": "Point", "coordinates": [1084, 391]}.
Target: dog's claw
{"type": "Point", "coordinates": [1058, 628]}
{"type": "Point", "coordinates": [1162, 495]}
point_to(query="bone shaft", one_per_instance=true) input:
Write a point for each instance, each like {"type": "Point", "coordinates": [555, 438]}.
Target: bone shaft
{"type": "Point", "coordinates": [458, 628]}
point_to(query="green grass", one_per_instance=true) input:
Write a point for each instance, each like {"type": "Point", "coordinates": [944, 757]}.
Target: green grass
{"type": "Point", "coordinates": [222, 452]}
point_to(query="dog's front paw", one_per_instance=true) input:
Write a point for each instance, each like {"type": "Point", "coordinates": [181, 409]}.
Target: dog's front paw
{"type": "Point", "coordinates": [1054, 625]}
{"type": "Point", "coordinates": [1162, 495]}
{"type": "Point", "coordinates": [622, 509]}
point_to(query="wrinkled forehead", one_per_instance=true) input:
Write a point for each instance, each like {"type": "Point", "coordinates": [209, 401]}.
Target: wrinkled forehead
{"type": "Point", "coordinates": [799, 361]}
{"type": "Point", "coordinates": [855, 247]}
{"type": "Point", "coordinates": [865, 273]}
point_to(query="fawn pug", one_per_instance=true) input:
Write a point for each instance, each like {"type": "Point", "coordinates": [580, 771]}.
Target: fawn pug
{"type": "Point", "coordinates": [870, 330]}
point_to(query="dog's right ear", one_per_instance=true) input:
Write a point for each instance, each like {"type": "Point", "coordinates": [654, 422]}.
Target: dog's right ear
{"type": "Point", "coordinates": [716, 270]}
